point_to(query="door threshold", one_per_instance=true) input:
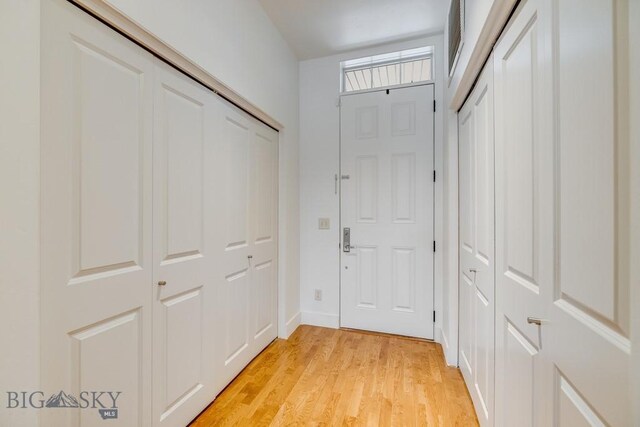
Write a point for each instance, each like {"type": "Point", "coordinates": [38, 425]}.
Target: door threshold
{"type": "Point", "coordinates": [385, 334]}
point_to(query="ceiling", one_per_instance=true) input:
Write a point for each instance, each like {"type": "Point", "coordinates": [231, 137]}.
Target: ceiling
{"type": "Point", "coordinates": [315, 28]}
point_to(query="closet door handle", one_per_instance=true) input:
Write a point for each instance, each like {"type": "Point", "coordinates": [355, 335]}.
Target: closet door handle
{"type": "Point", "coordinates": [536, 321]}
{"type": "Point", "coordinates": [162, 283]}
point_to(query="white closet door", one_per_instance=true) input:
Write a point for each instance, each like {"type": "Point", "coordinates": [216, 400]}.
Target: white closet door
{"type": "Point", "coordinates": [183, 323]}
{"type": "Point", "coordinates": [263, 214]}
{"type": "Point", "coordinates": [96, 261]}
{"type": "Point", "coordinates": [477, 244]}
{"type": "Point", "coordinates": [524, 214]}
{"type": "Point", "coordinates": [588, 333]}
{"type": "Point", "coordinates": [561, 224]}
{"type": "Point", "coordinates": [245, 239]}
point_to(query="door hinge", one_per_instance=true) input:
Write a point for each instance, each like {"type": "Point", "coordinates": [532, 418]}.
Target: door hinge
{"type": "Point", "coordinates": [434, 246]}
{"type": "Point", "coordinates": [434, 176]}
{"type": "Point", "coordinates": [434, 316]}
{"type": "Point", "coordinates": [434, 105]}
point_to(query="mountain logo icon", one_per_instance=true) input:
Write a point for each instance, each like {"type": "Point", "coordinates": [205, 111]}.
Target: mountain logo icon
{"type": "Point", "coordinates": [62, 400]}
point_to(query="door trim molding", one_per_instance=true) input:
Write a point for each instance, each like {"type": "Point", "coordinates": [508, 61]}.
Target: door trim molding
{"type": "Point", "coordinates": [132, 30]}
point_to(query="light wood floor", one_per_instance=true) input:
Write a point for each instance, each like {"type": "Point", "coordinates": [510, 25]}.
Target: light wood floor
{"type": "Point", "coordinates": [336, 377]}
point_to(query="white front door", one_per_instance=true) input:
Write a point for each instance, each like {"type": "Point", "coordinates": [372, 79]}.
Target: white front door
{"type": "Point", "coordinates": [387, 204]}
{"type": "Point", "coordinates": [477, 279]}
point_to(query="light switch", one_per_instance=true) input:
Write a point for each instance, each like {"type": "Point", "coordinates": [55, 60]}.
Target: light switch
{"type": "Point", "coordinates": [324, 223]}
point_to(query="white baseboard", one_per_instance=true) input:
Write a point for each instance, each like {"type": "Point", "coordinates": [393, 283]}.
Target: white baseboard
{"type": "Point", "coordinates": [326, 320]}
{"type": "Point", "coordinates": [291, 325]}
{"type": "Point", "coordinates": [449, 355]}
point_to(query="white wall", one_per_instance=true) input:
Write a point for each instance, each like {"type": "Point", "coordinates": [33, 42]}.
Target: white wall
{"type": "Point", "coordinates": [19, 204]}
{"type": "Point", "coordinates": [319, 161]}
{"type": "Point", "coordinates": [235, 41]}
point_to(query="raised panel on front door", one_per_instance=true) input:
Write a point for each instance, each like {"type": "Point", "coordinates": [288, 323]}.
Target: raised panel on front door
{"type": "Point", "coordinates": [367, 276]}
{"type": "Point", "coordinates": [519, 377]}
{"type": "Point", "coordinates": [519, 181]}
{"type": "Point", "coordinates": [182, 324]}
{"type": "Point", "coordinates": [403, 118]}
{"type": "Point", "coordinates": [183, 120]}
{"type": "Point", "coordinates": [107, 162]}
{"type": "Point", "coordinates": [403, 273]}
{"type": "Point", "coordinates": [403, 188]}
{"type": "Point", "coordinates": [236, 182]}
{"type": "Point", "coordinates": [367, 122]}
{"type": "Point", "coordinates": [367, 189]}
{"type": "Point", "coordinates": [106, 356]}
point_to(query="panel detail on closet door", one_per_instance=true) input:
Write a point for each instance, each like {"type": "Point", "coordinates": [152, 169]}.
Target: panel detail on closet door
{"type": "Point", "coordinates": [263, 297]}
{"type": "Point", "coordinates": [573, 411]}
{"type": "Point", "coordinates": [404, 279]}
{"type": "Point", "coordinates": [367, 188]}
{"type": "Point", "coordinates": [184, 138]}
{"type": "Point", "coordinates": [116, 340]}
{"type": "Point", "coordinates": [236, 298]}
{"type": "Point", "coordinates": [265, 167]}
{"type": "Point", "coordinates": [484, 351]}
{"type": "Point", "coordinates": [466, 168]}
{"type": "Point", "coordinates": [587, 143]}
{"type": "Point", "coordinates": [183, 363]}
{"type": "Point", "coordinates": [519, 158]}
{"type": "Point", "coordinates": [403, 187]}
{"type": "Point", "coordinates": [466, 324]}
{"type": "Point", "coordinates": [109, 174]}
{"type": "Point", "coordinates": [236, 185]}
{"type": "Point", "coordinates": [518, 376]}
{"type": "Point", "coordinates": [483, 169]}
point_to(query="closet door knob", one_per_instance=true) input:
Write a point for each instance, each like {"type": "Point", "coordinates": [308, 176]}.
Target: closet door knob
{"type": "Point", "coordinates": [162, 283]}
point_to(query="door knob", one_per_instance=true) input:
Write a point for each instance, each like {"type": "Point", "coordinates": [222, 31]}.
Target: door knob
{"type": "Point", "coordinates": [162, 283]}
{"type": "Point", "coordinates": [473, 270]}
{"type": "Point", "coordinates": [536, 321]}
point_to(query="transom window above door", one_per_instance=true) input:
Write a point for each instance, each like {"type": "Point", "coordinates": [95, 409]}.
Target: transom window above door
{"type": "Point", "coordinates": [389, 69]}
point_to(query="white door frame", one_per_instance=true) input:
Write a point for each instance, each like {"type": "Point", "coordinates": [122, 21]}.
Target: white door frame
{"type": "Point", "coordinates": [438, 205]}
